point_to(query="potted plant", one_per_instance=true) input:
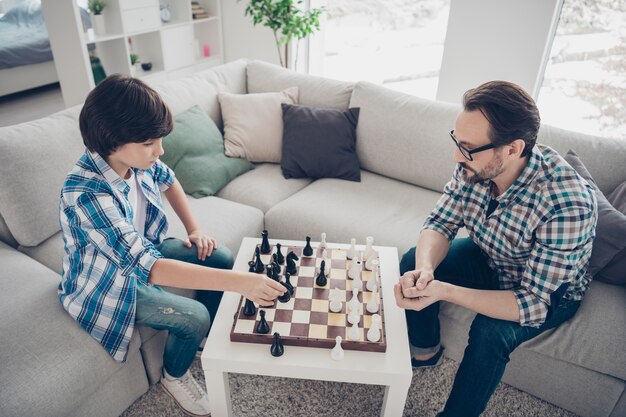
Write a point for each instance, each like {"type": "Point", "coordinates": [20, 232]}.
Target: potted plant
{"type": "Point", "coordinates": [96, 7]}
{"type": "Point", "coordinates": [134, 61]}
{"type": "Point", "coordinates": [287, 21]}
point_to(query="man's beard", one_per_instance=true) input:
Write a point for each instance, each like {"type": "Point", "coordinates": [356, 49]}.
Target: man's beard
{"type": "Point", "coordinates": [492, 170]}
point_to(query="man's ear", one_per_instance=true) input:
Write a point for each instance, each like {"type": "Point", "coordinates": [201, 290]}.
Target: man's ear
{"type": "Point", "coordinates": [516, 148]}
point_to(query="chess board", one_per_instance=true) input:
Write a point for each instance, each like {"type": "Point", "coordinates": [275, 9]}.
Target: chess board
{"type": "Point", "coordinates": [306, 320]}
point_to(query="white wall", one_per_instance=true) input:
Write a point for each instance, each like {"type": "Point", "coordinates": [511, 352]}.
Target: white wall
{"type": "Point", "coordinates": [242, 39]}
{"type": "Point", "coordinates": [496, 40]}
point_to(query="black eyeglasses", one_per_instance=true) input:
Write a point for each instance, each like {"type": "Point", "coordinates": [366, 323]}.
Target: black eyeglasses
{"type": "Point", "coordinates": [467, 153]}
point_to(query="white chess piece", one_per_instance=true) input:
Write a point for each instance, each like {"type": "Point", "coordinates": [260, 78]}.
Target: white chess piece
{"type": "Point", "coordinates": [351, 254]}
{"type": "Point", "coordinates": [335, 301]}
{"type": "Point", "coordinates": [373, 334]}
{"type": "Point", "coordinates": [354, 301]}
{"type": "Point", "coordinates": [323, 243]}
{"type": "Point", "coordinates": [354, 317]}
{"type": "Point", "coordinates": [372, 304]}
{"type": "Point", "coordinates": [337, 352]}
{"type": "Point", "coordinates": [326, 261]}
{"type": "Point", "coordinates": [372, 283]}
{"type": "Point", "coordinates": [354, 333]}
{"type": "Point", "coordinates": [369, 254]}
{"type": "Point", "coordinates": [355, 269]}
{"type": "Point", "coordinates": [357, 283]}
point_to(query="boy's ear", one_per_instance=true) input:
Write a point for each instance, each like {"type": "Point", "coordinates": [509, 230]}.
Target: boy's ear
{"type": "Point", "coordinates": [516, 148]}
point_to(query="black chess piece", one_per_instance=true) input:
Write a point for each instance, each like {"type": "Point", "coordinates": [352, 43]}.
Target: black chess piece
{"type": "Point", "coordinates": [277, 348]}
{"type": "Point", "coordinates": [285, 297]}
{"type": "Point", "coordinates": [251, 265]}
{"type": "Point", "coordinates": [308, 250]}
{"type": "Point", "coordinates": [258, 265]}
{"type": "Point", "coordinates": [291, 263]}
{"type": "Point", "coordinates": [269, 271]}
{"type": "Point", "coordinates": [265, 244]}
{"type": "Point", "coordinates": [280, 258]}
{"type": "Point", "coordinates": [249, 308]}
{"type": "Point", "coordinates": [262, 327]}
{"type": "Point", "coordinates": [287, 284]}
{"type": "Point", "coordinates": [275, 263]}
{"type": "Point", "coordinates": [276, 272]}
{"type": "Point", "coordinates": [321, 280]}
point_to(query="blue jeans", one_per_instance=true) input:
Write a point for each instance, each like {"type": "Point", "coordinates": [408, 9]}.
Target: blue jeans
{"type": "Point", "coordinates": [187, 321]}
{"type": "Point", "coordinates": [491, 341]}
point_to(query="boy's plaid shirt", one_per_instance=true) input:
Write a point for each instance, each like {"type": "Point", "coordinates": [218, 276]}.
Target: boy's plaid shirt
{"type": "Point", "coordinates": [539, 237]}
{"type": "Point", "coordinates": [104, 254]}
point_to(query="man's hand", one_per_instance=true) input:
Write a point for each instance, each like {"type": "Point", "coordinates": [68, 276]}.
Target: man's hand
{"type": "Point", "coordinates": [260, 289]}
{"type": "Point", "coordinates": [414, 281]}
{"type": "Point", "coordinates": [433, 292]}
{"type": "Point", "coordinates": [205, 244]}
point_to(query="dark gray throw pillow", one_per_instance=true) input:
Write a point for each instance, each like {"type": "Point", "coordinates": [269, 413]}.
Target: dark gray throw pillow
{"type": "Point", "coordinates": [319, 143]}
{"type": "Point", "coordinates": [609, 245]}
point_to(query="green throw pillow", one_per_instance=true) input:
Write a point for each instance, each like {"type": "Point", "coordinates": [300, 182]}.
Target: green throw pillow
{"type": "Point", "coordinates": [195, 151]}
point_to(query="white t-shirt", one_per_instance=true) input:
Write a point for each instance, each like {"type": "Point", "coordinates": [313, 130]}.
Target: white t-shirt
{"type": "Point", "coordinates": [137, 200]}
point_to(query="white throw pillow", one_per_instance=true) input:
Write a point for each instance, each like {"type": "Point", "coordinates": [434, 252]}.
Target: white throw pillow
{"type": "Point", "coordinates": [253, 124]}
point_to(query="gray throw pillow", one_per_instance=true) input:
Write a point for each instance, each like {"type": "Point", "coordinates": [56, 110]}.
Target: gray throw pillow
{"type": "Point", "coordinates": [609, 245]}
{"type": "Point", "coordinates": [319, 143]}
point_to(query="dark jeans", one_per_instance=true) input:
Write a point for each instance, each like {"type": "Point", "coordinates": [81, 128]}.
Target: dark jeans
{"type": "Point", "coordinates": [491, 341]}
{"type": "Point", "coordinates": [188, 321]}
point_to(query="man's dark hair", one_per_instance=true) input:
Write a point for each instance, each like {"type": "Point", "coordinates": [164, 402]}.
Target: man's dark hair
{"type": "Point", "coordinates": [511, 112]}
{"type": "Point", "coordinates": [122, 110]}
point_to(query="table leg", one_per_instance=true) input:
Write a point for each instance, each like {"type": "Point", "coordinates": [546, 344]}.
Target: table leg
{"type": "Point", "coordinates": [218, 389]}
{"type": "Point", "coordinates": [394, 400]}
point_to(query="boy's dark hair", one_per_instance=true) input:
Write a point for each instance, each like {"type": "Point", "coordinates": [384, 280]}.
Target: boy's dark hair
{"type": "Point", "coordinates": [511, 112]}
{"type": "Point", "coordinates": [122, 110]}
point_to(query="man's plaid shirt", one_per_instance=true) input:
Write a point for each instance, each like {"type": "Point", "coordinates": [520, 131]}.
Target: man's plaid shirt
{"type": "Point", "coordinates": [539, 237]}
{"type": "Point", "coordinates": [104, 255]}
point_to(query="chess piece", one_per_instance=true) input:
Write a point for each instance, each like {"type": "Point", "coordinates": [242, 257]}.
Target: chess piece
{"type": "Point", "coordinates": [323, 243]}
{"type": "Point", "coordinates": [354, 317]}
{"type": "Point", "coordinates": [287, 284]}
{"type": "Point", "coordinates": [265, 244]}
{"type": "Point", "coordinates": [354, 333]}
{"type": "Point", "coordinates": [276, 263]}
{"type": "Point", "coordinates": [321, 280]}
{"type": "Point", "coordinates": [335, 301]}
{"type": "Point", "coordinates": [354, 301]}
{"type": "Point", "coordinates": [258, 267]}
{"type": "Point", "coordinates": [356, 282]}
{"type": "Point", "coordinates": [369, 252]}
{"type": "Point", "coordinates": [285, 297]}
{"type": "Point", "coordinates": [251, 265]}
{"type": "Point", "coordinates": [276, 272]}
{"type": "Point", "coordinates": [372, 304]}
{"type": "Point", "coordinates": [308, 250]}
{"type": "Point", "coordinates": [373, 257]}
{"type": "Point", "coordinates": [351, 254]}
{"type": "Point", "coordinates": [262, 327]}
{"type": "Point", "coordinates": [372, 283]}
{"type": "Point", "coordinates": [249, 309]}
{"type": "Point", "coordinates": [269, 271]}
{"type": "Point", "coordinates": [337, 352]}
{"type": "Point", "coordinates": [277, 348]}
{"type": "Point", "coordinates": [373, 334]}
{"type": "Point", "coordinates": [326, 260]}
{"type": "Point", "coordinates": [291, 263]}
{"type": "Point", "coordinates": [355, 269]}
{"type": "Point", "coordinates": [280, 258]}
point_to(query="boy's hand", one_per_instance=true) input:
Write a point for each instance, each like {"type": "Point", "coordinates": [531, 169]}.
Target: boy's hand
{"type": "Point", "coordinates": [261, 289]}
{"type": "Point", "coordinates": [205, 244]}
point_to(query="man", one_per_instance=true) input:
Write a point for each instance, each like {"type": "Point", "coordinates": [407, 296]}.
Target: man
{"type": "Point", "coordinates": [531, 223]}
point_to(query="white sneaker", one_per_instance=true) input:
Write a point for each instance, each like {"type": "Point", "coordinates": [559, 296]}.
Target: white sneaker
{"type": "Point", "coordinates": [189, 395]}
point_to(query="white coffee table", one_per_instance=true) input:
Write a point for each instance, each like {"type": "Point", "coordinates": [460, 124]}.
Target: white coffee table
{"type": "Point", "coordinates": [391, 368]}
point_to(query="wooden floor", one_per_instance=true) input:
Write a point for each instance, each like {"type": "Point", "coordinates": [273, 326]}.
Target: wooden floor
{"type": "Point", "coordinates": [30, 105]}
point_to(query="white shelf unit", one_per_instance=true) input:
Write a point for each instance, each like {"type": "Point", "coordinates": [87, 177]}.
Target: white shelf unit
{"type": "Point", "coordinates": [175, 48]}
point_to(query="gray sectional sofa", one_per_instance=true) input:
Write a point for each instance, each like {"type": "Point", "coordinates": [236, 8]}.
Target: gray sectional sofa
{"type": "Point", "coordinates": [49, 366]}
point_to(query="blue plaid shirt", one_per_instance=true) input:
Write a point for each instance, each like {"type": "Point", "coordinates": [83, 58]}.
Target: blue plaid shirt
{"type": "Point", "coordinates": [104, 255]}
{"type": "Point", "coordinates": [539, 237]}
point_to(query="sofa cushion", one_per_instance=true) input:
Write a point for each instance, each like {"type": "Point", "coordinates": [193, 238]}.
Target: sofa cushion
{"type": "Point", "coordinates": [253, 124]}
{"type": "Point", "coordinates": [49, 252]}
{"type": "Point", "coordinates": [202, 88]}
{"type": "Point", "coordinates": [5, 234]}
{"type": "Point", "coordinates": [314, 91]}
{"type": "Point", "coordinates": [404, 137]}
{"type": "Point", "coordinates": [610, 229]}
{"type": "Point", "coordinates": [391, 211]}
{"type": "Point", "coordinates": [195, 151]}
{"type": "Point", "coordinates": [35, 158]}
{"type": "Point", "coordinates": [617, 198]}
{"type": "Point", "coordinates": [45, 354]}
{"type": "Point", "coordinates": [263, 187]}
{"type": "Point", "coordinates": [319, 143]}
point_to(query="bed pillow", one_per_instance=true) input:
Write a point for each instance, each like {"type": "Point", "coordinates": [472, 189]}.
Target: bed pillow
{"type": "Point", "coordinates": [195, 151]}
{"type": "Point", "coordinates": [320, 143]}
{"type": "Point", "coordinates": [253, 124]}
{"type": "Point", "coordinates": [609, 245]}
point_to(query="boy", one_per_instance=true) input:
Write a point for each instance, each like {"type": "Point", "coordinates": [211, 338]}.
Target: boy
{"type": "Point", "coordinates": [113, 226]}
